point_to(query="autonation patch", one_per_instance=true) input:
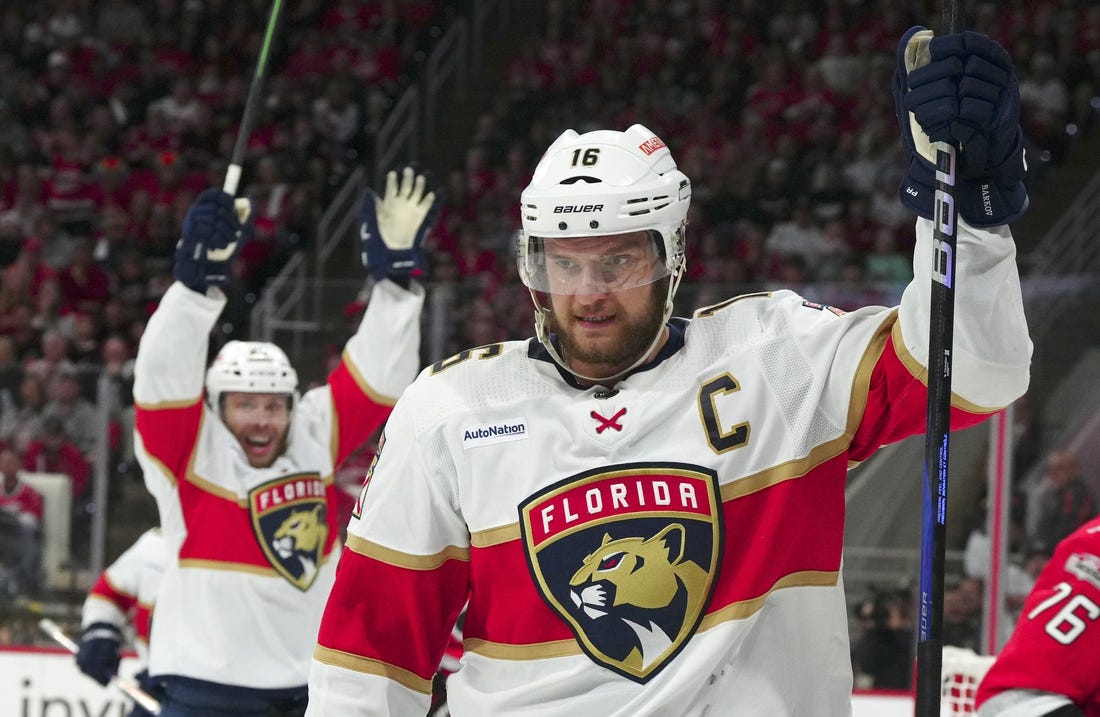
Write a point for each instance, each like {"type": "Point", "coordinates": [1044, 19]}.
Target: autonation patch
{"type": "Point", "coordinates": [511, 429]}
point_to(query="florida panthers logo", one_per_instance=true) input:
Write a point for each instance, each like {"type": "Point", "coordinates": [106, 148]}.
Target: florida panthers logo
{"type": "Point", "coordinates": [644, 586]}
{"type": "Point", "coordinates": [290, 517]}
{"type": "Point", "coordinates": [628, 558]}
{"type": "Point", "coordinates": [300, 538]}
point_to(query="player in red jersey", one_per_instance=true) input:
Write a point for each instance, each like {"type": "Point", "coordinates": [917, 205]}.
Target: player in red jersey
{"type": "Point", "coordinates": [1050, 667]}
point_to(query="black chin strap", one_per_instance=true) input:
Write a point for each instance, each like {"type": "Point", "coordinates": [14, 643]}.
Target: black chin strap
{"type": "Point", "coordinates": [676, 330]}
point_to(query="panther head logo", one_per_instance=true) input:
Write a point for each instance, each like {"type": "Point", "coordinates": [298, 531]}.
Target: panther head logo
{"type": "Point", "coordinates": [292, 525]}
{"type": "Point", "coordinates": [300, 538]}
{"type": "Point", "coordinates": [627, 557]}
{"type": "Point", "coordinates": [644, 585]}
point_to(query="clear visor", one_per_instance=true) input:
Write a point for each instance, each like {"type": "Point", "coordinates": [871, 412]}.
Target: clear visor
{"type": "Point", "coordinates": [590, 265]}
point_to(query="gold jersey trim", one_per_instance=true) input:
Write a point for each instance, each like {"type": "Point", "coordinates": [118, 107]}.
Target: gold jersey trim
{"type": "Point", "coordinates": [365, 387]}
{"type": "Point", "coordinates": [168, 405]}
{"type": "Point", "coordinates": [746, 608]}
{"type": "Point", "coordinates": [535, 651]}
{"type": "Point", "coordinates": [920, 373]}
{"type": "Point", "coordinates": [569, 648]}
{"type": "Point", "coordinates": [368, 666]}
{"type": "Point", "coordinates": [207, 564]}
{"type": "Point", "coordinates": [400, 559]}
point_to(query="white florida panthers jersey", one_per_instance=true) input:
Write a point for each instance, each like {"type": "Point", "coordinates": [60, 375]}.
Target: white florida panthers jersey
{"type": "Point", "coordinates": [251, 551]}
{"type": "Point", "coordinates": [126, 590]}
{"type": "Point", "coordinates": [667, 545]}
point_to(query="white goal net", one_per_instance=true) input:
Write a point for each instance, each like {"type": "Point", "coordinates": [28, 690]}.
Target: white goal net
{"type": "Point", "coordinates": [962, 671]}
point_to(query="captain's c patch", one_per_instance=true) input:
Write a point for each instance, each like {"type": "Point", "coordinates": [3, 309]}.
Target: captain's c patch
{"type": "Point", "coordinates": [627, 556]}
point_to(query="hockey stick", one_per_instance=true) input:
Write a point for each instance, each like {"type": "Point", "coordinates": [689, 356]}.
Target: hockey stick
{"type": "Point", "coordinates": [938, 425]}
{"type": "Point", "coordinates": [130, 687]}
{"type": "Point", "coordinates": [233, 172]}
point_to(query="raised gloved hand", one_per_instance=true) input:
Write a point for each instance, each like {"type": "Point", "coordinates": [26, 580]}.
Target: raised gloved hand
{"type": "Point", "coordinates": [392, 228]}
{"type": "Point", "coordinates": [214, 229]}
{"type": "Point", "coordinates": [100, 652]}
{"type": "Point", "coordinates": [961, 89]}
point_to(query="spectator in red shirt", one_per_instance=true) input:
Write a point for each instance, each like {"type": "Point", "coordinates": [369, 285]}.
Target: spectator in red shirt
{"type": "Point", "coordinates": [54, 452]}
{"type": "Point", "coordinates": [25, 275]}
{"type": "Point", "coordinates": [84, 284]}
{"type": "Point", "coordinates": [474, 260]}
{"type": "Point", "coordinates": [70, 195]}
{"type": "Point", "coordinates": [20, 524]}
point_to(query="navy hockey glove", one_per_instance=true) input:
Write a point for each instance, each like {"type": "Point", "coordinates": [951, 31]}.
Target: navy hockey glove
{"type": "Point", "coordinates": [100, 652]}
{"type": "Point", "coordinates": [961, 89]}
{"type": "Point", "coordinates": [214, 229]}
{"type": "Point", "coordinates": [392, 228]}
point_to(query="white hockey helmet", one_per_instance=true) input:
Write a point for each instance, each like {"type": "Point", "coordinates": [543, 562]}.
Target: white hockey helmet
{"type": "Point", "coordinates": [250, 367]}
{"type": "Point", "coordinates": [603, 183]}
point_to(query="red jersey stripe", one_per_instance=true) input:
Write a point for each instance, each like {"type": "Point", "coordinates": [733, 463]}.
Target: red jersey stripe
{"type": "Point", "coordinates": [366, 634]}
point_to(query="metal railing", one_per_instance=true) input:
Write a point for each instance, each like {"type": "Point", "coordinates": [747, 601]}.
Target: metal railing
{"type": "Point", "coordinates": [404, 132]}
{"type": "Point", "coordinates": [866, 567]}
{"type": "Point", "coordinates": [483, 10]}
{"type": "Point", "coordinates": [1066, 262]}
{"type": "Point", "coordinates": [449, 59]}
{"type": "Point", "coordinates": [399, 135]}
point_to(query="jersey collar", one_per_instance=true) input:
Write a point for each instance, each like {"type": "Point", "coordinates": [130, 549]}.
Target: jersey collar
{"type": "Point", "coordinates": [676, 330]}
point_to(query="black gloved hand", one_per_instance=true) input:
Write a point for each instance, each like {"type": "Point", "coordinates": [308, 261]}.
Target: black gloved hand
{"type": "Point", "coordinates": [214, 229]}
{"type": "Point", "coordinates": [100, 652]}
{"type": "Point", "coordinates": [393, 228]}
{"type": "Point", "coordinates": [961, 89]}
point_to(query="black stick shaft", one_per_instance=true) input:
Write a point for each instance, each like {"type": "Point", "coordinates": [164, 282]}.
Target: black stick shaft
{"type": "Point", "coordinates": [938, 426]}
{"type": "Point", "coordinates": [236, 161]}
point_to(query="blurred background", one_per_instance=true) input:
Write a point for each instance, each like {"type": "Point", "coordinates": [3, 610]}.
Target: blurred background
{"type": "Point", "coordinates": [114, 114]}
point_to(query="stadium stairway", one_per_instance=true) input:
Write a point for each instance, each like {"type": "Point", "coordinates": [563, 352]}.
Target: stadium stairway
{"type": "Point", "coordinates": [441, 147]}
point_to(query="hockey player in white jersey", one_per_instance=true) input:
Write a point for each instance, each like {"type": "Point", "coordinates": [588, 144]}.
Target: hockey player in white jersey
{"type": "Point", "coordinates": [118, 609]}
{"type": "Point", "coordinates": [242, 467]}
{"type": "Point", "coordinates": [647, 513]}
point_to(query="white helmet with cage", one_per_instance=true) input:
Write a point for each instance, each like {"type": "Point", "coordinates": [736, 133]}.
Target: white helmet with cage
{"type": "Point", "coordinates": [250, 367]}
{"type": "Point", "coordinates": [603, 183]}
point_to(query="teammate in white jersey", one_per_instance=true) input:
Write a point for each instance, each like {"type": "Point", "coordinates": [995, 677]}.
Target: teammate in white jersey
{"type": "Point", "coordinates": [242, 471]}
{"type": "Point", "coordinates": [121, 602]}
{"type": "Point", "coordinates": [646, 513]}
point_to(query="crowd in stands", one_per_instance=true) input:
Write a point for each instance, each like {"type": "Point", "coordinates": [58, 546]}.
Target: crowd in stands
{"type": "Point", "coordinates": [781, 115]}
{"type": "Point", "coordinates": [114, 115]}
